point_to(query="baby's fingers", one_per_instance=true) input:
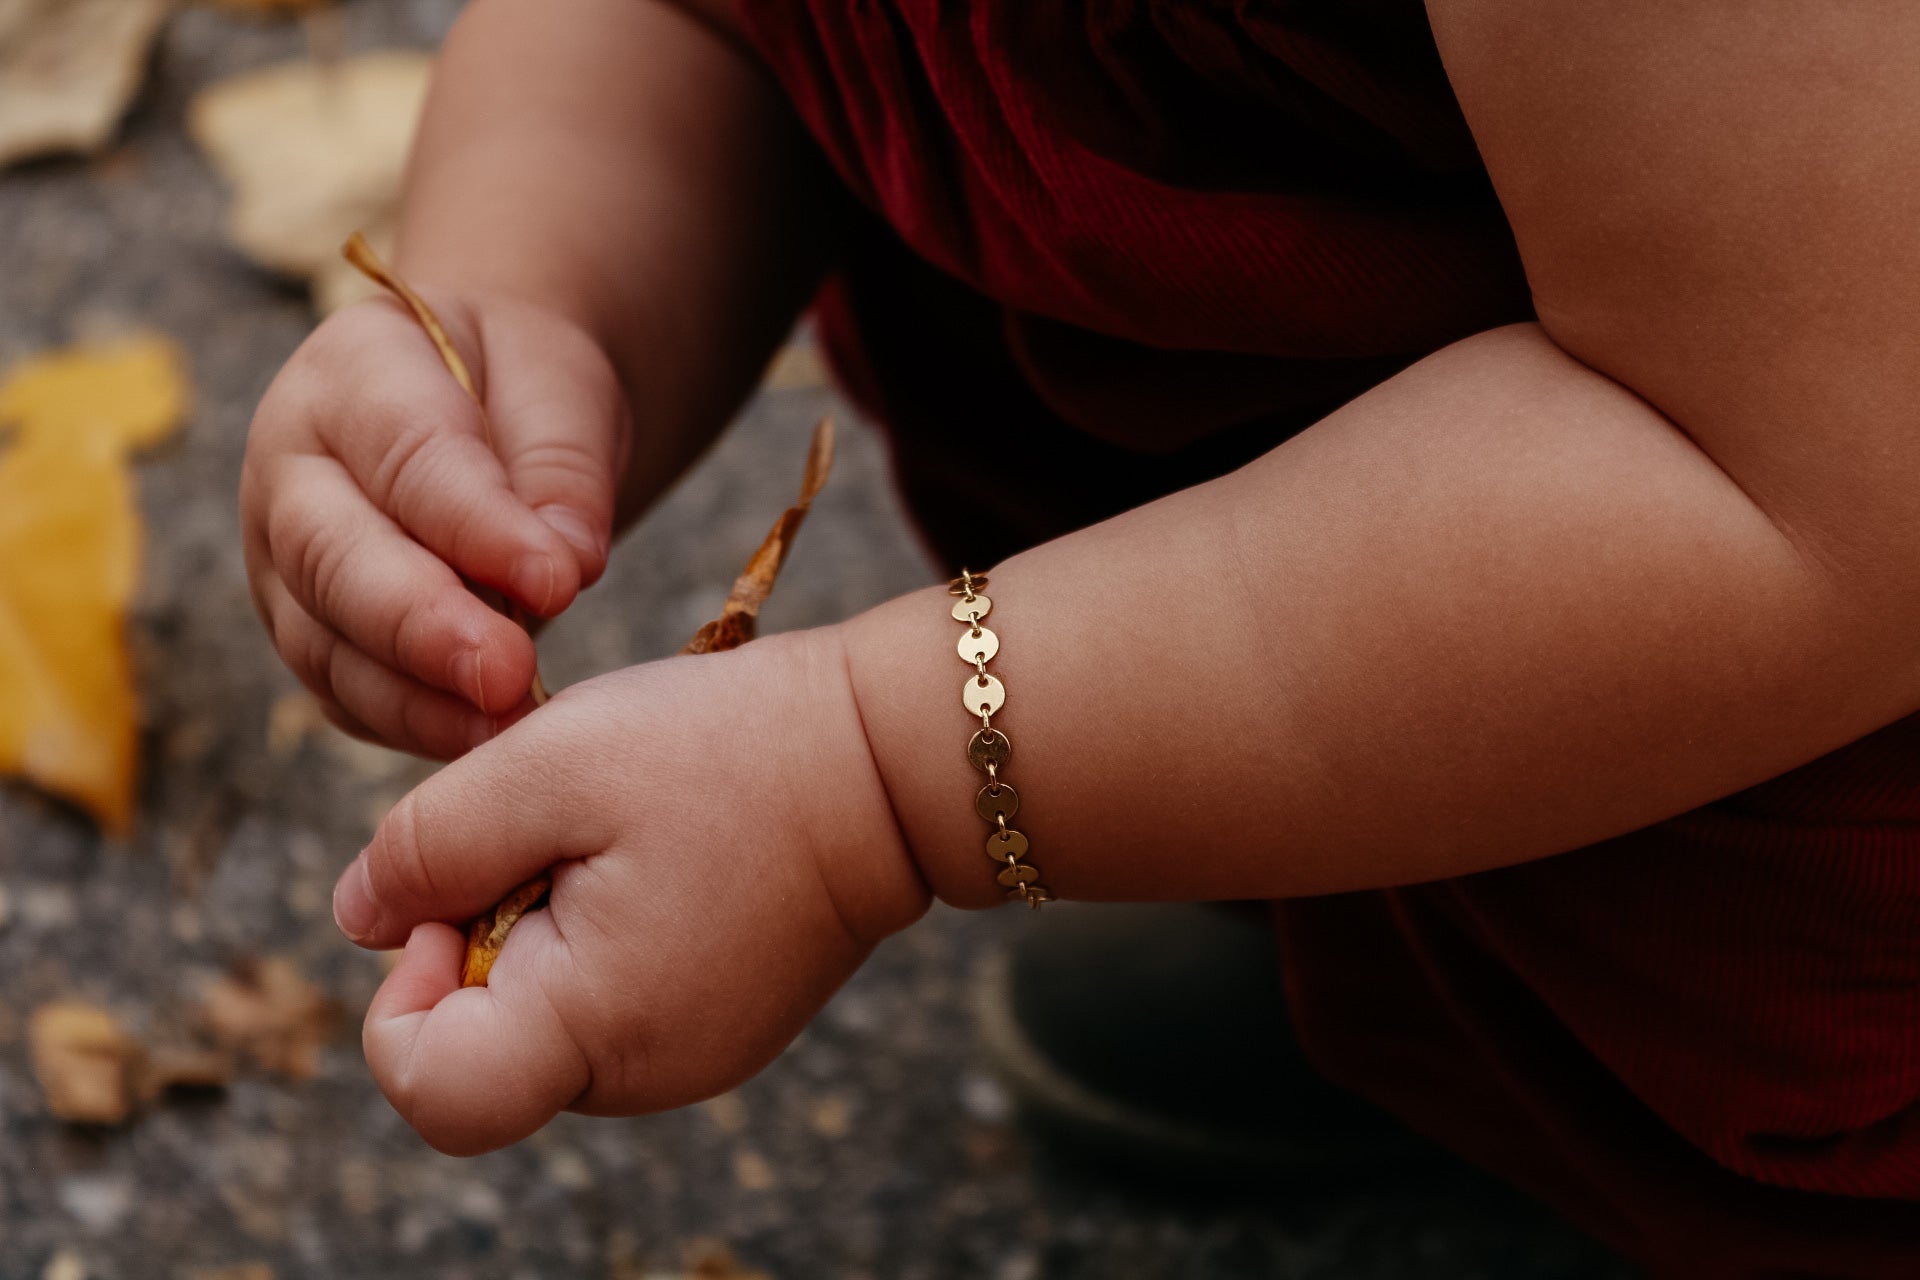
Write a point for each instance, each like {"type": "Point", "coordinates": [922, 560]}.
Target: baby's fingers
{"type": "Point", "coordinates": [418, 447]}
{"type": "Point", "coordinates": [351, 569]}
{"type": "Point", "coordinates": [368, 699]}
{"type": "Point", "coordinates": [474, 1068]}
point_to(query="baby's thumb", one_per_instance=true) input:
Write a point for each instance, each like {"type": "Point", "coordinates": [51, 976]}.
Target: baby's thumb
{"type": "Point", "coordinates": [560, 429]}
{"type": "Point", "coordinates": [473, 1068]}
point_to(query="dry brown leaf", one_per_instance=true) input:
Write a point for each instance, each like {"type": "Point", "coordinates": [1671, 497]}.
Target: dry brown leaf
{"type": "Point", "coordinates": [93, 1071]}
{"type": "Point", "coordinates": [268, 8]}
{"type": "Point", "coordinates": [268, 1012]}
{"type": "Point", "coordinates": [313, 150]}
{"type": "Point", "coordinates": [69, 557]}
{"type": "Point", "coordinates": [739, 616]}
{"type": "Point", "coordinates": [711, 1260]}
{"type": "Point", "coordinates": [69, 69]}
{"type": "Point", "coordinates": [733, 628]}
{"type": "Point", "coordinates": [361, 257]}
{"type": "Point", "coordinates": [488, 934]}
{"type": "Point", "coordinates": [240, 1271]}
{"type": "Point", "coordinates": [86, 1064]}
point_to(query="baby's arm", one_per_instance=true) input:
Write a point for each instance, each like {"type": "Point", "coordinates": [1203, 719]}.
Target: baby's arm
{"type": "Point", "coordinates": [1551, 584]}
{"type": "Point", "coordinates": [630, 164]}
{"type": "Point", "coordinates": [613, 210]}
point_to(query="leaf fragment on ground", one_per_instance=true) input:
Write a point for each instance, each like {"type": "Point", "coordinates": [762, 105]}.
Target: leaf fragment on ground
{"type": "Point", "coordinates": [130, 394]}
{"type": "Point", "coordinates": [268, 8]}
{"type": "Point", "coordinates": [68, 71]}
{"type": "Point", "coordinates": [709, 1260]}
{"type": "Point", "coordinates": [69, 558]}
{"type": "Point", "coordinates": [313, 151]}
{"type": "Point", "coordinates": [268, 1012]}
{"type": "Point", "coordinates": [93, 1071]}
{"type": "Point", "coordinates": [85, 1063]}
{"type": "Point", "coordinates": [733, 628]}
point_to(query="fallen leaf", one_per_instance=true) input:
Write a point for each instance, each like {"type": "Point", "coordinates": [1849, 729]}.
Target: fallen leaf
{"type": "Point", "coordinates": [69, 557]}
{"type": "Point", "coordinates": [69, 69]}
{"type": "Point", "coordinates": [87, 1066]}
{"type": "Point", "coordinates": [488, 934]}
{"type": "Point", "coordinates": [266, 1011]}
{"type": "Point", "coordinates": [129, 394]}
{"type": "Point", "coordinates": [313, 150]}
{"type": "Point", "coordinates": [733, 628]}
{"type": "Point", "coordinates": [68, 548]}
{"type": "Point", "coordinates": [738, 618]}
{"type": "Point", "coordinates": [268, 8]}
{"type": "Point", "coordinates": [711, 1260]}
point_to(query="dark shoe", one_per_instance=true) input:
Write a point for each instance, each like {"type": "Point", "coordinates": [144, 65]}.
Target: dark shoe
{"type": "Point", "coordinates": [1158, 1037]}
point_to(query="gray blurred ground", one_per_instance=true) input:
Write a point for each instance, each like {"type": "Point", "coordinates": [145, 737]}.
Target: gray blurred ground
{"type": "Point", "coordinates": [877, 1147]}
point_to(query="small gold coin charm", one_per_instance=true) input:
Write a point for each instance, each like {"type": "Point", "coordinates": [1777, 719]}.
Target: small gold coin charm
{"type": "Point", "coordinates": [977, 641]}
{"type": "Point", "coordinates": [1017, 874]}
{"type": "Point", "coordinates": [983, 691]}
{"type": "Point", "coordinates": [988, 745]}
{"type": "Point", "coordinates": [1006, 846]}
{"type": "Point", "coordinates": [986, 804]}
{"type": "Point", "coordinates": [968, 610]}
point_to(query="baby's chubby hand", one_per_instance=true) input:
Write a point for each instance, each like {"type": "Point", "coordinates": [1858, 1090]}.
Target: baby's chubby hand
{"type": "Point", "coordinates": [369, 492]}
{"type": "Point", "coordinates": [724, 856]}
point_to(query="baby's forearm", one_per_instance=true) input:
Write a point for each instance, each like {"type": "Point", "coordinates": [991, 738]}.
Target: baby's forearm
{"type": "Point", "coordinates": [629, 165]}
{"type": "Point", "coordinates": [1494, 609]}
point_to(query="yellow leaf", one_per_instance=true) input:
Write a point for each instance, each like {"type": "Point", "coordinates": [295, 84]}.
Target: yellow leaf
{"type": "Point", "coordinates": [130, 394]}
{"type": "Point", "coordinates": [69, 556]}
{"type": "Point", "coordinates": [69, 546]}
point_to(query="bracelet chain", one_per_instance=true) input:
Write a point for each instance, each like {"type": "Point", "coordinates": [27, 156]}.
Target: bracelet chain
{"type": "Point", "coordinates": [983, 695]}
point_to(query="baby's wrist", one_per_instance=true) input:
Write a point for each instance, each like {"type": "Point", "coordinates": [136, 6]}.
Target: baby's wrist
{"type": "Point", "coordinates": [865, 860]}
{"type": "Point", "coordinates": [906, 682]}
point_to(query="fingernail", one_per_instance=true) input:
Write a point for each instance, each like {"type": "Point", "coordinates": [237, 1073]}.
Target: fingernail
{"type": "Point", "coordinates": [464, 671]}
{"type": "Point", "coordinates": [533, 581]}
{"type": "Point", "coordinates": [354, 909]}
{"type": "Point", "coordinates": [573, 526]}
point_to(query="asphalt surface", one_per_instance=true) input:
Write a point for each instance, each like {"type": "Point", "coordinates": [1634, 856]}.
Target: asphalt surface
{"type": "Point", "coordinates": [878, 1146]}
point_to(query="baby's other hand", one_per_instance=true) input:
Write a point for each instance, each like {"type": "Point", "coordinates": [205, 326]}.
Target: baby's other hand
{"type": "Point", "coordinates": [724, 856]}
{"type": "Point", "coordinates": [370, 492]}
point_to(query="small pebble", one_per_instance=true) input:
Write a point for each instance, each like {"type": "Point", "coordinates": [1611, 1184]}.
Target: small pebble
{"type": "Point", "coordinates": [65, 1265]}
{"type": "Point", "coordinates": [752, 1172]}
{"type": "Point", "coordinates": [982, 1098]}
{"type": "Point", "coordinates": [728, 1112]}
{"type": "Point", "coordinates": [99, 1201]}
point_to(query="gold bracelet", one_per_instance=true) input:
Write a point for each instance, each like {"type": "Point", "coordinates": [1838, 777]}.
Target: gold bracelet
{"type": "Point", "coordinates": [988, 750]}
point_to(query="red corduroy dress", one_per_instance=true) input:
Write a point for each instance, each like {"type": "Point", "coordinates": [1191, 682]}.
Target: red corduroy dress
{"type": "Point", "coordinates": [1140, 242]}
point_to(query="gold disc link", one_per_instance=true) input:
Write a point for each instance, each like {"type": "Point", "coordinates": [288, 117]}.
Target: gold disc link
{"type": "Point", "coordinates": [989, 749]}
